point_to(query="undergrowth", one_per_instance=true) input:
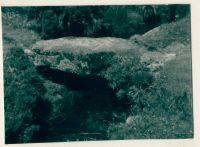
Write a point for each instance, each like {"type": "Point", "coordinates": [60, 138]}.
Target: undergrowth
{"type": "Point", "coordinates": [160, 109]}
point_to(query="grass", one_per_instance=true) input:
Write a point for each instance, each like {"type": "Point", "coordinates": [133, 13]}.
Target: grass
{"type": "Point", "coordinates": [151, 127]}
{"type": "Point", "coordinates": [165, 34]}
{"type": "Point", "coordinates": [168, 110]}
{"type": "Point", "coordinates": [17, 32]}
{"type": "Point", "coordinates": [178, 73]}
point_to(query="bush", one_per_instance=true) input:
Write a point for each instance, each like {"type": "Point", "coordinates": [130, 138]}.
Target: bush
{"type": "Point", "coordinates": [156, 113]}
{"type": "Point", "coordinates": [22, 89]}
{"type": "Point", "coordinates": [98, 62]}
{"type": "Point", "coordinates": [127, 74]}
{"type": "Point", "coordinates": [172, 12]}
{"type": "Point", "coordinates": [55, 22]}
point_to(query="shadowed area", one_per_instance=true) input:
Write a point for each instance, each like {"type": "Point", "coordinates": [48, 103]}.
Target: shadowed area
{"type": "Point", "coordinates": [94, 105]}
{"type": "Point", "coordinates": [96, 92]}
{"type": "Point", "coordinates": [74, 81]}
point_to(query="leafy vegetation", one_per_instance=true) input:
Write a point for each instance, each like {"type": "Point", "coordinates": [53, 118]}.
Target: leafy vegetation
{"type": "Point", "coordinates": [23, 89]}
{"type": "Point", "coordinates": [164, 106]}
{"type": "Point", "coordinates": [97, 21]}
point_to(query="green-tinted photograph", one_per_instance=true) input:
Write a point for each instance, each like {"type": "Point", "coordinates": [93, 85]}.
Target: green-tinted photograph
{"type": "Point", "coordinates": [94, 73]}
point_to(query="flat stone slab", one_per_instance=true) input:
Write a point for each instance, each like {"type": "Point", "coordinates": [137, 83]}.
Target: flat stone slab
{"type": "Point", "coordinates": [81, 45]}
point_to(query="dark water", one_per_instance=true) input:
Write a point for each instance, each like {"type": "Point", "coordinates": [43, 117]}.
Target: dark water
{"type": "Point", "coordinates": [92, 126]}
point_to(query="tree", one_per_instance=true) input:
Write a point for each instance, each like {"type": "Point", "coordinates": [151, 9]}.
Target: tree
{"type": "Point", "coordinates": [149, 15]}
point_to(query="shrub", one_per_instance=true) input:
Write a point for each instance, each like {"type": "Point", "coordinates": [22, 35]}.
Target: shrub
{"type": "Point", "coordinates": [128, 76]}
{"type": "Point", "coordinates": [164, 115]}
{"type": "Point", "coordinates": [55, 22]}
{"type": "Point", "coordinates": [49, 25]}
{"type": "Point", "coordinates": [98, 62]}
{"type": "Point", "coordinates": [22, 89]}
{"type": "Point", "coordinates": [123, 21]}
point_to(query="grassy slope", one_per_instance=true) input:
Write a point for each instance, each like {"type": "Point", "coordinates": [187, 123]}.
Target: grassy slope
{"type": "Point", "coordinates": [178, 72]}
{"type": "Point", "coordinates": [16, 32]}
{"type": "Point", "coordinates": [174, 38]}
{"type": "Point", "coordinates": [171, 116]}
{"type": "Point", "coordinates": [165, 34]}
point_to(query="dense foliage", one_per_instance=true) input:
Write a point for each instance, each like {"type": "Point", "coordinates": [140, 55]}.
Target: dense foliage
{"type": "Point", "coordinates": [23, 91]}
{"type": "Point", "coordinates": [98, 21]}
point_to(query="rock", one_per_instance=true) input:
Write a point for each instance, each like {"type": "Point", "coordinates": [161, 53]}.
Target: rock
{"type": "Point", "coordinates": [132, 120]}
{"type": "Point", "coordinates": [156, 60]}
{"type": "Point", "coordinates": [81, 45]}
{"type": "Point", "coordinates": [65, 53]}
{"type": "Point", "coordinates": [176, 47]}
{"type": "Point", "coordinates": [129, 120]}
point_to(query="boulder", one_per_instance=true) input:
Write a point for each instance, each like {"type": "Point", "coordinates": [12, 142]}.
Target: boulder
{"type": "Point", "coordinates": [156, 60]}
{"type": "Point", "coordinates": [65, 53]}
